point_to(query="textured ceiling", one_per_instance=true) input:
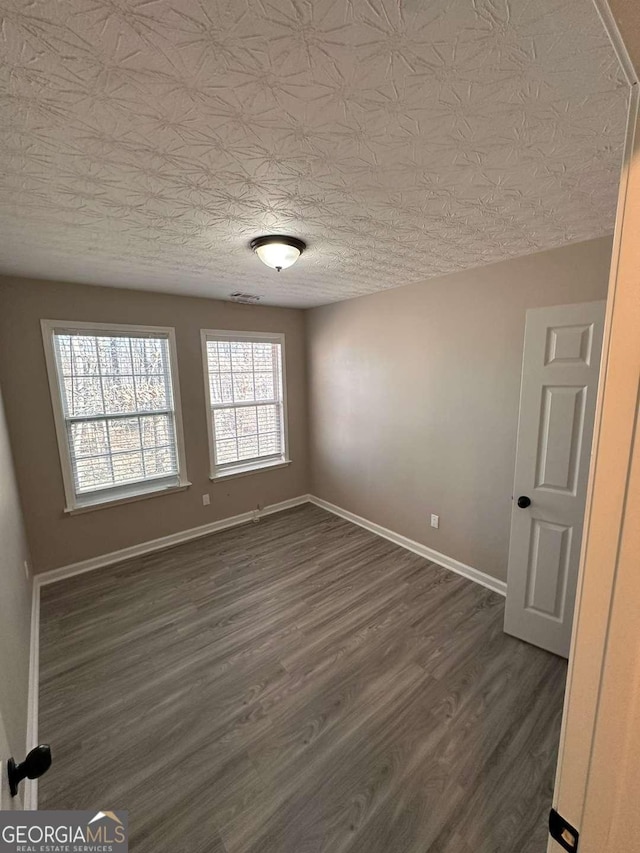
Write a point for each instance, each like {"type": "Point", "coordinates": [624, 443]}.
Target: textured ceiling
{"type": "Point", "coordinates": [143, 143]}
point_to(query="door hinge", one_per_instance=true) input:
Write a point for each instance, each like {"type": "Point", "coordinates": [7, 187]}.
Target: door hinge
{"type": "Point", "coordinates": [561, 831]}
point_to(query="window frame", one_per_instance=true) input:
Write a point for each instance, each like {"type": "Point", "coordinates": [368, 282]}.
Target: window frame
{"type": "Point", "coordinates": [112, 495]}
{"type": "Point", "coordinates": [238, 469]}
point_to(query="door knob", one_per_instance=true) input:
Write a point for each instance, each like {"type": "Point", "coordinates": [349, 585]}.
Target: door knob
{"type": "Point", "coordinates": [35, 764]}
{"type": "Point", "coordinates": [524, 501]}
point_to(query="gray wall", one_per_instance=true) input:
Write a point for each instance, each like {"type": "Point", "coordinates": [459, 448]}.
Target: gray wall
{"type": "Point", "coordinates": [413, 404]}
{"type": "Point", "coordinates": [414, 397]}
{"type": "Point", "coordinates": [57, 539]}
{"type": "Point", "coordinates": [15, 606]}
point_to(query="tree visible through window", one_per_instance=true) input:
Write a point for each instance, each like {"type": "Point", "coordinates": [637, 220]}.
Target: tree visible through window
{"type": "Point", "coordinates": [246, 398]}
{"type": "Point", "coordinates": [117, 404]}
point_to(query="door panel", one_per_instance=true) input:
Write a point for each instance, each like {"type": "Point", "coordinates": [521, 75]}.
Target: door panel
{"type": "Point", "coordinates": [570, 345]}
{"type": "Point", "coordinates": [548, 568]}
{"type": "Point", "coordinates": [557, 404]}
{"type": "Point", "coordinates": [560, 439]}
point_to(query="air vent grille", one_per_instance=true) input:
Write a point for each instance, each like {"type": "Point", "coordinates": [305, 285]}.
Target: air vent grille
{"type": "Point", "coordinates": [245, 298]}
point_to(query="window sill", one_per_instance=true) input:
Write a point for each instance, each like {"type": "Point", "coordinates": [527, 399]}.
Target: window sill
{"type": "Point", "coordinates": [155, 493]}
{"type": "Point", "coordinates": [250, 469]}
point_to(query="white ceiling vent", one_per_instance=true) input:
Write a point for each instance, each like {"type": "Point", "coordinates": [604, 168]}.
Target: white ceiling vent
{"type": "Point", "coordinates": [245, 298]}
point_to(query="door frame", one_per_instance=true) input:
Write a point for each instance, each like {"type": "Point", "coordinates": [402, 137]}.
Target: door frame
{"type": "Point", "coordinates": [601, 708]}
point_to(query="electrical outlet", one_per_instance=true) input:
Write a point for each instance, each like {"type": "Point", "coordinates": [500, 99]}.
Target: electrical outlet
{"type": "Point", "coordinates": [27, 569]}
{"type": "Point", "coordinates": [435, 520]}
{"type": "Point", "coordinates": [206, 500]}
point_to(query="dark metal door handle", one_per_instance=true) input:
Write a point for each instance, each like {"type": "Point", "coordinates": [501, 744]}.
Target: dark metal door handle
{"type": "Point", "coordinates": [35, 764]}
{"type": "Point", "coordinates": [524, 501]}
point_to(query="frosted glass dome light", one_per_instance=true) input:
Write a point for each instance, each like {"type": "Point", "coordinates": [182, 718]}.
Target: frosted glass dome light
{"type": "Point", "coordinates": [278, 251]}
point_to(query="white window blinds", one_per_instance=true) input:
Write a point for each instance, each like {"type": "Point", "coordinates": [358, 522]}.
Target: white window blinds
{"type": "Point", "coordinates": [117, 405]}
{"type": "Point", "coordinates": [245, 387]}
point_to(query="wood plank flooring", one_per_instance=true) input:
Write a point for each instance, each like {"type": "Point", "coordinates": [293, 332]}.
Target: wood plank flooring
{"type": "Point", "coordinates": [295, 686]}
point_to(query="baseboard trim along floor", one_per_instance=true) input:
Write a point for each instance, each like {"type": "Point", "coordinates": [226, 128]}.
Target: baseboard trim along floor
{"type": "Point", "coordinates": [254, 515]}
{"type": "Point", "coordinates": [44, 578]}
{"type": "Point", "coordinates": [307, 680]}
{"type": "Point", "coordinates": [411, 545]}
{"type": "Point", "coordinates": [164, 542]}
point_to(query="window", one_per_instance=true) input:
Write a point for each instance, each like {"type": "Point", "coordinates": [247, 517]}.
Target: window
{"type": "Point", "coordinates": [116, 407]}
{"type": "Point", "coordinates": [245, 387]}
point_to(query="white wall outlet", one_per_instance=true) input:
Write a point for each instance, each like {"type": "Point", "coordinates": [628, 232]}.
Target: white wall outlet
{"type": "Point", "coordinates": [435, 520]}
{"type": "Point", "coordinates": [206, 500]}
{"type": "Point", "coordinates": [27, 569]}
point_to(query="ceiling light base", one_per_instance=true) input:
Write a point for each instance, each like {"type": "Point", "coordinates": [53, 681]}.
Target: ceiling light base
{"type": "Point", "coordinates": [278, 251]}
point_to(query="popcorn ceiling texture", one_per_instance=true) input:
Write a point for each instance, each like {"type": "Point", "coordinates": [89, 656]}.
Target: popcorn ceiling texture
{"type": "Point", "coordinates": [143, 143]}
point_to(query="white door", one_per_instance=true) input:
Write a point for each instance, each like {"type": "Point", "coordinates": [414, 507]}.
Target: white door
{"type": "Point", "coordinates": [562, 347]}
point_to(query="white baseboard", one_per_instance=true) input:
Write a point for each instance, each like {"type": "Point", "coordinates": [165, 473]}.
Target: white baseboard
{"type": "Point", "coordinates": [163, 542]}
{"type": "Point", "coordinates": [422, 550]}
{"type": "Point", "coordinates": [31, 785]}
{"type": "Point", "coordinates": [233, 521]}
{"type": "Point", "coordinates": [40, 580]}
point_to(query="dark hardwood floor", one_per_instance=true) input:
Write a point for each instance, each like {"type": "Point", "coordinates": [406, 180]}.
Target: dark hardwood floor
{"type": "Point", "coordinates": [295, 686]}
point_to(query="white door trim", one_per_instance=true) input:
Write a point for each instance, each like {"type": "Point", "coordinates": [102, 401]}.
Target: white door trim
{"type": "Point", "coordinates": [31, 785]}
{"type": "Point", "coordinates": [615, 427]}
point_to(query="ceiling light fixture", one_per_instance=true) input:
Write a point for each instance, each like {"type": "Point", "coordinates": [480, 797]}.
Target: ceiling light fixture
{"type": "Point", "coordinates": [278, 251]}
